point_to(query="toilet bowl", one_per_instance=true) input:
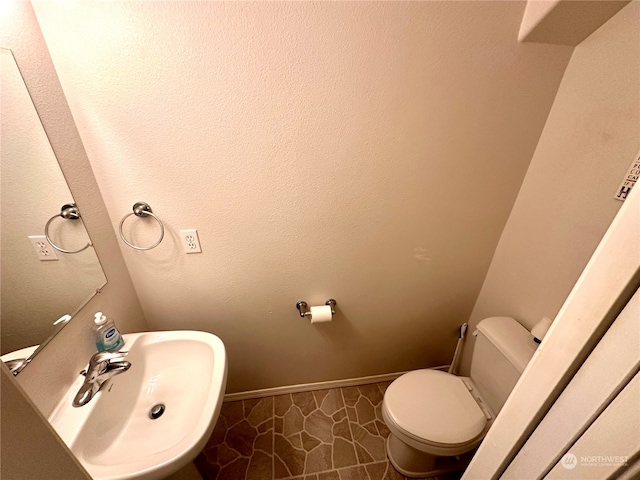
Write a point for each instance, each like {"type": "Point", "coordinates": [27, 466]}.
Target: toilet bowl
{"type": "Point", "coordinates": [437, 419]}
{"type": "Point", "coordinates": [432, 414]}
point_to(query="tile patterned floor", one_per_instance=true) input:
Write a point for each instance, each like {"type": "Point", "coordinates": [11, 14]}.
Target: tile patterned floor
{"type": "Point", "coordinates": [335, 434]}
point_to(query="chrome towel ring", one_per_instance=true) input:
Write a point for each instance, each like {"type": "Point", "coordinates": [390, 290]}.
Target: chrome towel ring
{"type": "Point", "coordinates": [140, 209]}
{"type": "Point", "coordinates": [68, 211]}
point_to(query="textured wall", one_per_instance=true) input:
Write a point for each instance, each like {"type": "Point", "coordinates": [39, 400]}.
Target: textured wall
{"type": "Point", "coordinates": [566, 202]}
{"type": "Point", "coordinates": [369, 152]}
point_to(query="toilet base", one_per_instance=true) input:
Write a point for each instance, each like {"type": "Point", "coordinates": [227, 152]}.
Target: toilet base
{"type": "Point", "coordinates": [413, 463]}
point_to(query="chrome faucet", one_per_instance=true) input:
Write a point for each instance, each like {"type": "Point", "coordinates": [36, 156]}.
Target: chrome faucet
{"type": "Point", "coordinates": [102, 366]}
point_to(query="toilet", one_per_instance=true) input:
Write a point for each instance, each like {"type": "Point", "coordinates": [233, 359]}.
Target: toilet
{"type": "Point", "coordinates": [437, 419]}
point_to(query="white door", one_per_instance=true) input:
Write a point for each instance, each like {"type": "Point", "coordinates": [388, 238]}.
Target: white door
{"type": "Point", "coordinates": [607, 284]}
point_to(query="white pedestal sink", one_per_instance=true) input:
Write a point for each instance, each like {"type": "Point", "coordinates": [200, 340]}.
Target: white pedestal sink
{"type": "Point", "coordinates": [113, 435]}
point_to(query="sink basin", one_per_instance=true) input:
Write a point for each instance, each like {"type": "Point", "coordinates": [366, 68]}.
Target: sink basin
{"type": "Point", "coordinates": [114, 437]}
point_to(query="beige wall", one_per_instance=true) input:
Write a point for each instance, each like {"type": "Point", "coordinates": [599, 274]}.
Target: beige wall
{"type": "Point", "coordinates": [52, 371]}
{"type": "Point", "coordinates": [368, 152]}
{"type": "Point", "coordinates": [566, 201]}
{"type": "Point", "coordinates": [241, 119]}
{"type": "Point", "coordinates": [30, 448]}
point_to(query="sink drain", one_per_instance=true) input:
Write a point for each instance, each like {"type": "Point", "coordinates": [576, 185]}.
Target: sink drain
{"type": "Point", "coordinates": [156, 411]}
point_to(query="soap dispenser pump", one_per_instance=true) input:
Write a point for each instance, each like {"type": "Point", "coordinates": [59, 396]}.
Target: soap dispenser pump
{"type": "Point", "coordinates": [108, 337]}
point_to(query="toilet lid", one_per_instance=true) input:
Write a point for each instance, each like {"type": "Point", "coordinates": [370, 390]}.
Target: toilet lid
{"type": "Point", "coordinates": [434, 406]}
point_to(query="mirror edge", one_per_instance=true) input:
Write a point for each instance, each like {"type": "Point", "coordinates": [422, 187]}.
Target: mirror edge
{"type": "Point", "coordinates": [98, 288]}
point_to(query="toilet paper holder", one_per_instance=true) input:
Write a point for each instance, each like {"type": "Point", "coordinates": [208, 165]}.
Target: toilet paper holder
{"type": "Point", "coordinates": [302, 307]}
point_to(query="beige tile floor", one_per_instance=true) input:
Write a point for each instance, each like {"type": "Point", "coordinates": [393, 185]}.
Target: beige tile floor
{"type": "Point", "coordinates": [335, 434]}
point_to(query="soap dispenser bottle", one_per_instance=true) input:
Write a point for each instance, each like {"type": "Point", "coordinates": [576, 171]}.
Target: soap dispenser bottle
{"type": "Point", "coordinates": [107, 335]}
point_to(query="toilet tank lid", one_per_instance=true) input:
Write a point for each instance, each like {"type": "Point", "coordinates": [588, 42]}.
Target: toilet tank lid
{"type": "Point", "coordinates": [510, 338]}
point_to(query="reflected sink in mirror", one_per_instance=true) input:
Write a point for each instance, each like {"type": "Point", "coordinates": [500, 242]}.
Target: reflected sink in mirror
{"type": "Point", "coordinates": [18, 359]}
{"type": "Point", "coordinates": [113, 435]}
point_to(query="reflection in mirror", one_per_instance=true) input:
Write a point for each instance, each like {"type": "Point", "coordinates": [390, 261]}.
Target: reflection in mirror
{"type": "Point", "coordinates": [39, 285]}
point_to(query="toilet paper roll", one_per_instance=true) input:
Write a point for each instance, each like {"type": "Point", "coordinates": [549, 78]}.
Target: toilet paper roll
{"type": "Point", "coordinates": [540, 329]}
{"type": "Point", "coordinates": [321, 314]}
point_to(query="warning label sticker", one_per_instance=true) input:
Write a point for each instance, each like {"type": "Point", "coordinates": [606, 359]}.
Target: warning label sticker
{"type": "Point", "coordinates": [630, 179]}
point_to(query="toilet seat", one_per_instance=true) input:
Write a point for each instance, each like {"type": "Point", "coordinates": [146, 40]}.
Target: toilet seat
{"type": "Point", "coordinates": [434, 412]}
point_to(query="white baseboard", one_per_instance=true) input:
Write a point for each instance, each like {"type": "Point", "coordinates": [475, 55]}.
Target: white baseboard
{"type": "Point", "coordinates": [306, 387]}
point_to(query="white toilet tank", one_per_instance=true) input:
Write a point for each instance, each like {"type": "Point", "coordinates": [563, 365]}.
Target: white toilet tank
{"type": "Point", "coordinates": [502, 350]}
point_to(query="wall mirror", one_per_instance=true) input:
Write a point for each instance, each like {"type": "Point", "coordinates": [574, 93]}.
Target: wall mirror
{"type": "Point", "coordinates": [35, 291]}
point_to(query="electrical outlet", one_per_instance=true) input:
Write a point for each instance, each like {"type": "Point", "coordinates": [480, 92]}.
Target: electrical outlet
{"type": "Point", "coordinates": [43, 248]}
{"type": "Point", "coordinates": [190, 241]}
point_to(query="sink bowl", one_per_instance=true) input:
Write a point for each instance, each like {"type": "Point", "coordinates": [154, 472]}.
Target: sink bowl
{"type": "Point", "coordinates": [114, 437]}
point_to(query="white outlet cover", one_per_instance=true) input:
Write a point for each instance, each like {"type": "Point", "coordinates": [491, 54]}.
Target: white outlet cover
{"type": "Point", "coordinates": [190, 241]}
{"type": "Point", "coordinates": [43, 248]}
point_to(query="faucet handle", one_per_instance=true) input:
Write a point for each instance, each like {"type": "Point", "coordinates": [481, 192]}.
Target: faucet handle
{"type": "Point", "coordinates": [101, 357]}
